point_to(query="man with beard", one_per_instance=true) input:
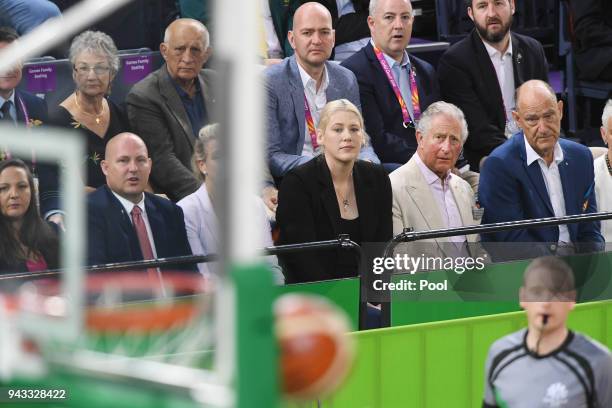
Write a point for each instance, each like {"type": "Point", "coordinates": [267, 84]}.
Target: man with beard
{"type": "Point", "coordinates": [480, 73]}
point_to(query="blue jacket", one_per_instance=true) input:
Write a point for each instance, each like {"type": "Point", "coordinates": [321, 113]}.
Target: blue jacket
{"type": "Point", "coordinates": [47, 173]}
{"type": "Point", "coordinates": [111, 235]}
{"type": "Point", "coordinates": [381, 111]}
{"type": "Point", "coordinates": [285, 112]}
{"type": "Point", "coordinates": [510, 190]}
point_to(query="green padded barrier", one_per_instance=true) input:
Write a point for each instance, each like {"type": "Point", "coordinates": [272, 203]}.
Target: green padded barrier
{"type": "Point", "coordinates": [343, 292]}
{"type": "Point", "coordinates": [501, 280]}
{"type": "Point", "coordinates": [439, 365]}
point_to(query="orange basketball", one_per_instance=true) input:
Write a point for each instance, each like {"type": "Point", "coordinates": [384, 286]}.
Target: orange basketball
{"type": "Point", "coordinates": [315, 352]}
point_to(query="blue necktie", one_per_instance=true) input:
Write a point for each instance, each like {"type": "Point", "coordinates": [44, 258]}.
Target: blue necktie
{"type": "Point", "coordinates": [6, 111]}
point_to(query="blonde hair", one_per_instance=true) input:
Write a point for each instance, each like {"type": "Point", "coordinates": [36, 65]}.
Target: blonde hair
{"type": "Point", "coordinates": [206, 135]}
{"type": "Point", "coordinates": [341, 105]}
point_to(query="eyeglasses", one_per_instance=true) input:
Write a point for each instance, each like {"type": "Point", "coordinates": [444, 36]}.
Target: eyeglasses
{"type": "Point", "coordinates": [98, 69]}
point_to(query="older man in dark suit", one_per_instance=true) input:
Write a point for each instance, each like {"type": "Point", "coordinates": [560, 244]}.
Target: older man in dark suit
{"type": "Point", "coordinates": [24, 109]}
{"type": "Point", "coordinates": [535, 174]}
{"type": "Point", "coordinates": [394, 87]}
{"type": "Point", "coordinates": [169, 107]}
{"type": "Point", "coordinates": [480, 73]}
{"type": "Point", "coordinates": [125, 223]}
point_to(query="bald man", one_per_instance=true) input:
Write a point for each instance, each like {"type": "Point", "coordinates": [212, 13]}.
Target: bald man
{"type": "Point", "coordinates": [124, 222]}
{"type": "Point", "coordinates": [169, 107]}
{"type": "Point", "coordinates": [535, 174]}
{"type": "Point", "coordinates": [305, 80]}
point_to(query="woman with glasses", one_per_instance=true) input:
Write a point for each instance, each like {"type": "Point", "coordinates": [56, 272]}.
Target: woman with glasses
{"type": "Point", "coordinates": [95, 63]}
{"type": "Point", "coordinates": [333, 194]}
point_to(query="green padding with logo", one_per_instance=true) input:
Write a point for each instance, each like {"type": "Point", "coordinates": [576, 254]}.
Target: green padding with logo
{"type": "Point", "coordinates": [439, 365]}
{"type": "Point", "coordinates": [489, 291]}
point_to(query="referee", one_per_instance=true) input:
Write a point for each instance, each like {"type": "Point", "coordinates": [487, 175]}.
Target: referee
{"type": "Point", "coordinates": [546, 364]}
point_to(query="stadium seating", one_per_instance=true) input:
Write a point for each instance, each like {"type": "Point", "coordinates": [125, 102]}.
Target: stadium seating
{"type": "Point", "coordinates": [574, 86]}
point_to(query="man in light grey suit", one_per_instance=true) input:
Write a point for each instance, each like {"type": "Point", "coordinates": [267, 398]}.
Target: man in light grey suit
{"type": "Point", "coordinates": [299, 87]}
{"type": "Point", "coordinates": [426, 194]}
{"type": "Point", "coordinates": [168, 108]}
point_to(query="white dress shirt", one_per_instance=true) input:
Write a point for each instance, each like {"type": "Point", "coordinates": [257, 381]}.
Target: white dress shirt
{"type": "Point", "coordinates": [552, 179]}
{"type": "Point", "coordinates": [316, 101]}
{"type": "Point", "coordinates": [504, 70]}
{"type": "Point", "coordinates": [128, 206]}
{"type": "Point", "coordinates": [451, 218]}
{"type": "Point", "coordinates": [603, 194]}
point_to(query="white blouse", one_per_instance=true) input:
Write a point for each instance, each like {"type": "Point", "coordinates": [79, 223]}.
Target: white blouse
{"type": "Point", "coordinates": [603, 193]}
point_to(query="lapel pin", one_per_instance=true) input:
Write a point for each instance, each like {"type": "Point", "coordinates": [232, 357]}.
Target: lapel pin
{"type": "Point", "coordinates": [519, 58]}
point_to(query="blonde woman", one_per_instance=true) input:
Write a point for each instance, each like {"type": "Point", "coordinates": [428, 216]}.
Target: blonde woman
{"type": "Point", "coordinates": [335, 193]}
{"type": "Point", "coordinates": [199, 209]}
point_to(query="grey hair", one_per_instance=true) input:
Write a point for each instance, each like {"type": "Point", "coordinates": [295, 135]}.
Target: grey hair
{"type": "Point", "coordinates": [442, 108]}
{"type": "Point", "coordinates": [374, 3]}
{"type": "Point", "coordinates": [206, 135]}
{"type": "Point", "coordinates": [607, 115]}
{"type": "Point", "coordinates": [95, 42]}
{"type": "Point", "coordinates": [205, 33]}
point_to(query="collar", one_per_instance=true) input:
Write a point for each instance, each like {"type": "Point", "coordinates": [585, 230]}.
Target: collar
{"type": "Point", "coordinates": [493, 52]}
{"type": "Point", "coordinates": [532, 155]}
{"type": "Point", "coordinates": [392, 62]}
{"type": "Point", "coordinates": [181, 91]}
{"type": "Point", "coordinates": [308, 80]}
{"type": "Point", "coordinates": [562, 346]}
{"type": "Point", "coordinates": [430, 177]}
{"type": "Point", "coordinates": [10, 98]}
{"type": "Point", "coordinates": [128, 205]}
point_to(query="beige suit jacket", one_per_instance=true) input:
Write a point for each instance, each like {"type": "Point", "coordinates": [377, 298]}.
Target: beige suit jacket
{"type": "Point", "coordinates": [414, 206]}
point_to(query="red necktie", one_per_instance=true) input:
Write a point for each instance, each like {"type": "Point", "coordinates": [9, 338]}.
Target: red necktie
{"type": "Point", "coordinates": [145, 244]}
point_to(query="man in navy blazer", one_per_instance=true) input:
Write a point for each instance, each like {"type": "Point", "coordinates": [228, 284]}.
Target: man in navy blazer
{"type": "Point", "coordinates": [112, 225]}
{"type": "Point", "coordinates": [24, 109]}
{"type": "Point", "coordinates": [535, 175]}
{"type": "Point", "coordinates": [307, 75]}
{"type": "Point", "coordinates": [393, 138]}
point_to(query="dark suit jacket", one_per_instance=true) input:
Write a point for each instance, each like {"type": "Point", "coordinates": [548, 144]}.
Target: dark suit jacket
{"type": "Point", "coordinates": [111, 235]}
{"type": "Point", "coordinates": [157, 115]}
{"type": "Point", "coordinates": [467, 79]}
{"type": "Point", "coordinates": [593, 35]}
{"type": "Point", "coordinates": [308, 211]}
{"type": "Point", "coordinates": [47, 173]}
{"type": "Point", "coordinates": [382, 114]}
{"type": "Point", "coordinates": [510, 190]}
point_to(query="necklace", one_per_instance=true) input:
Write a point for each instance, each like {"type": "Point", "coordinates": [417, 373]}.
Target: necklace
{"type": "Point", "coordinates": [96, 115]}
{"type": "Point", "coordinates": [608, 164]}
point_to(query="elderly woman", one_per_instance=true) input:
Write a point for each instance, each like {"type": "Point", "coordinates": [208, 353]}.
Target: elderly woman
{"type": "Point", "coordinates": [27, 243]}
{"type": "Point", "coordinates": [199, 207]}
{"type": "Point", "coordinates": [333, 194]}
{"type": "Point", "coordinates": [95, 63]}
{"type": "Point", "coordinates": [603, 172]}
